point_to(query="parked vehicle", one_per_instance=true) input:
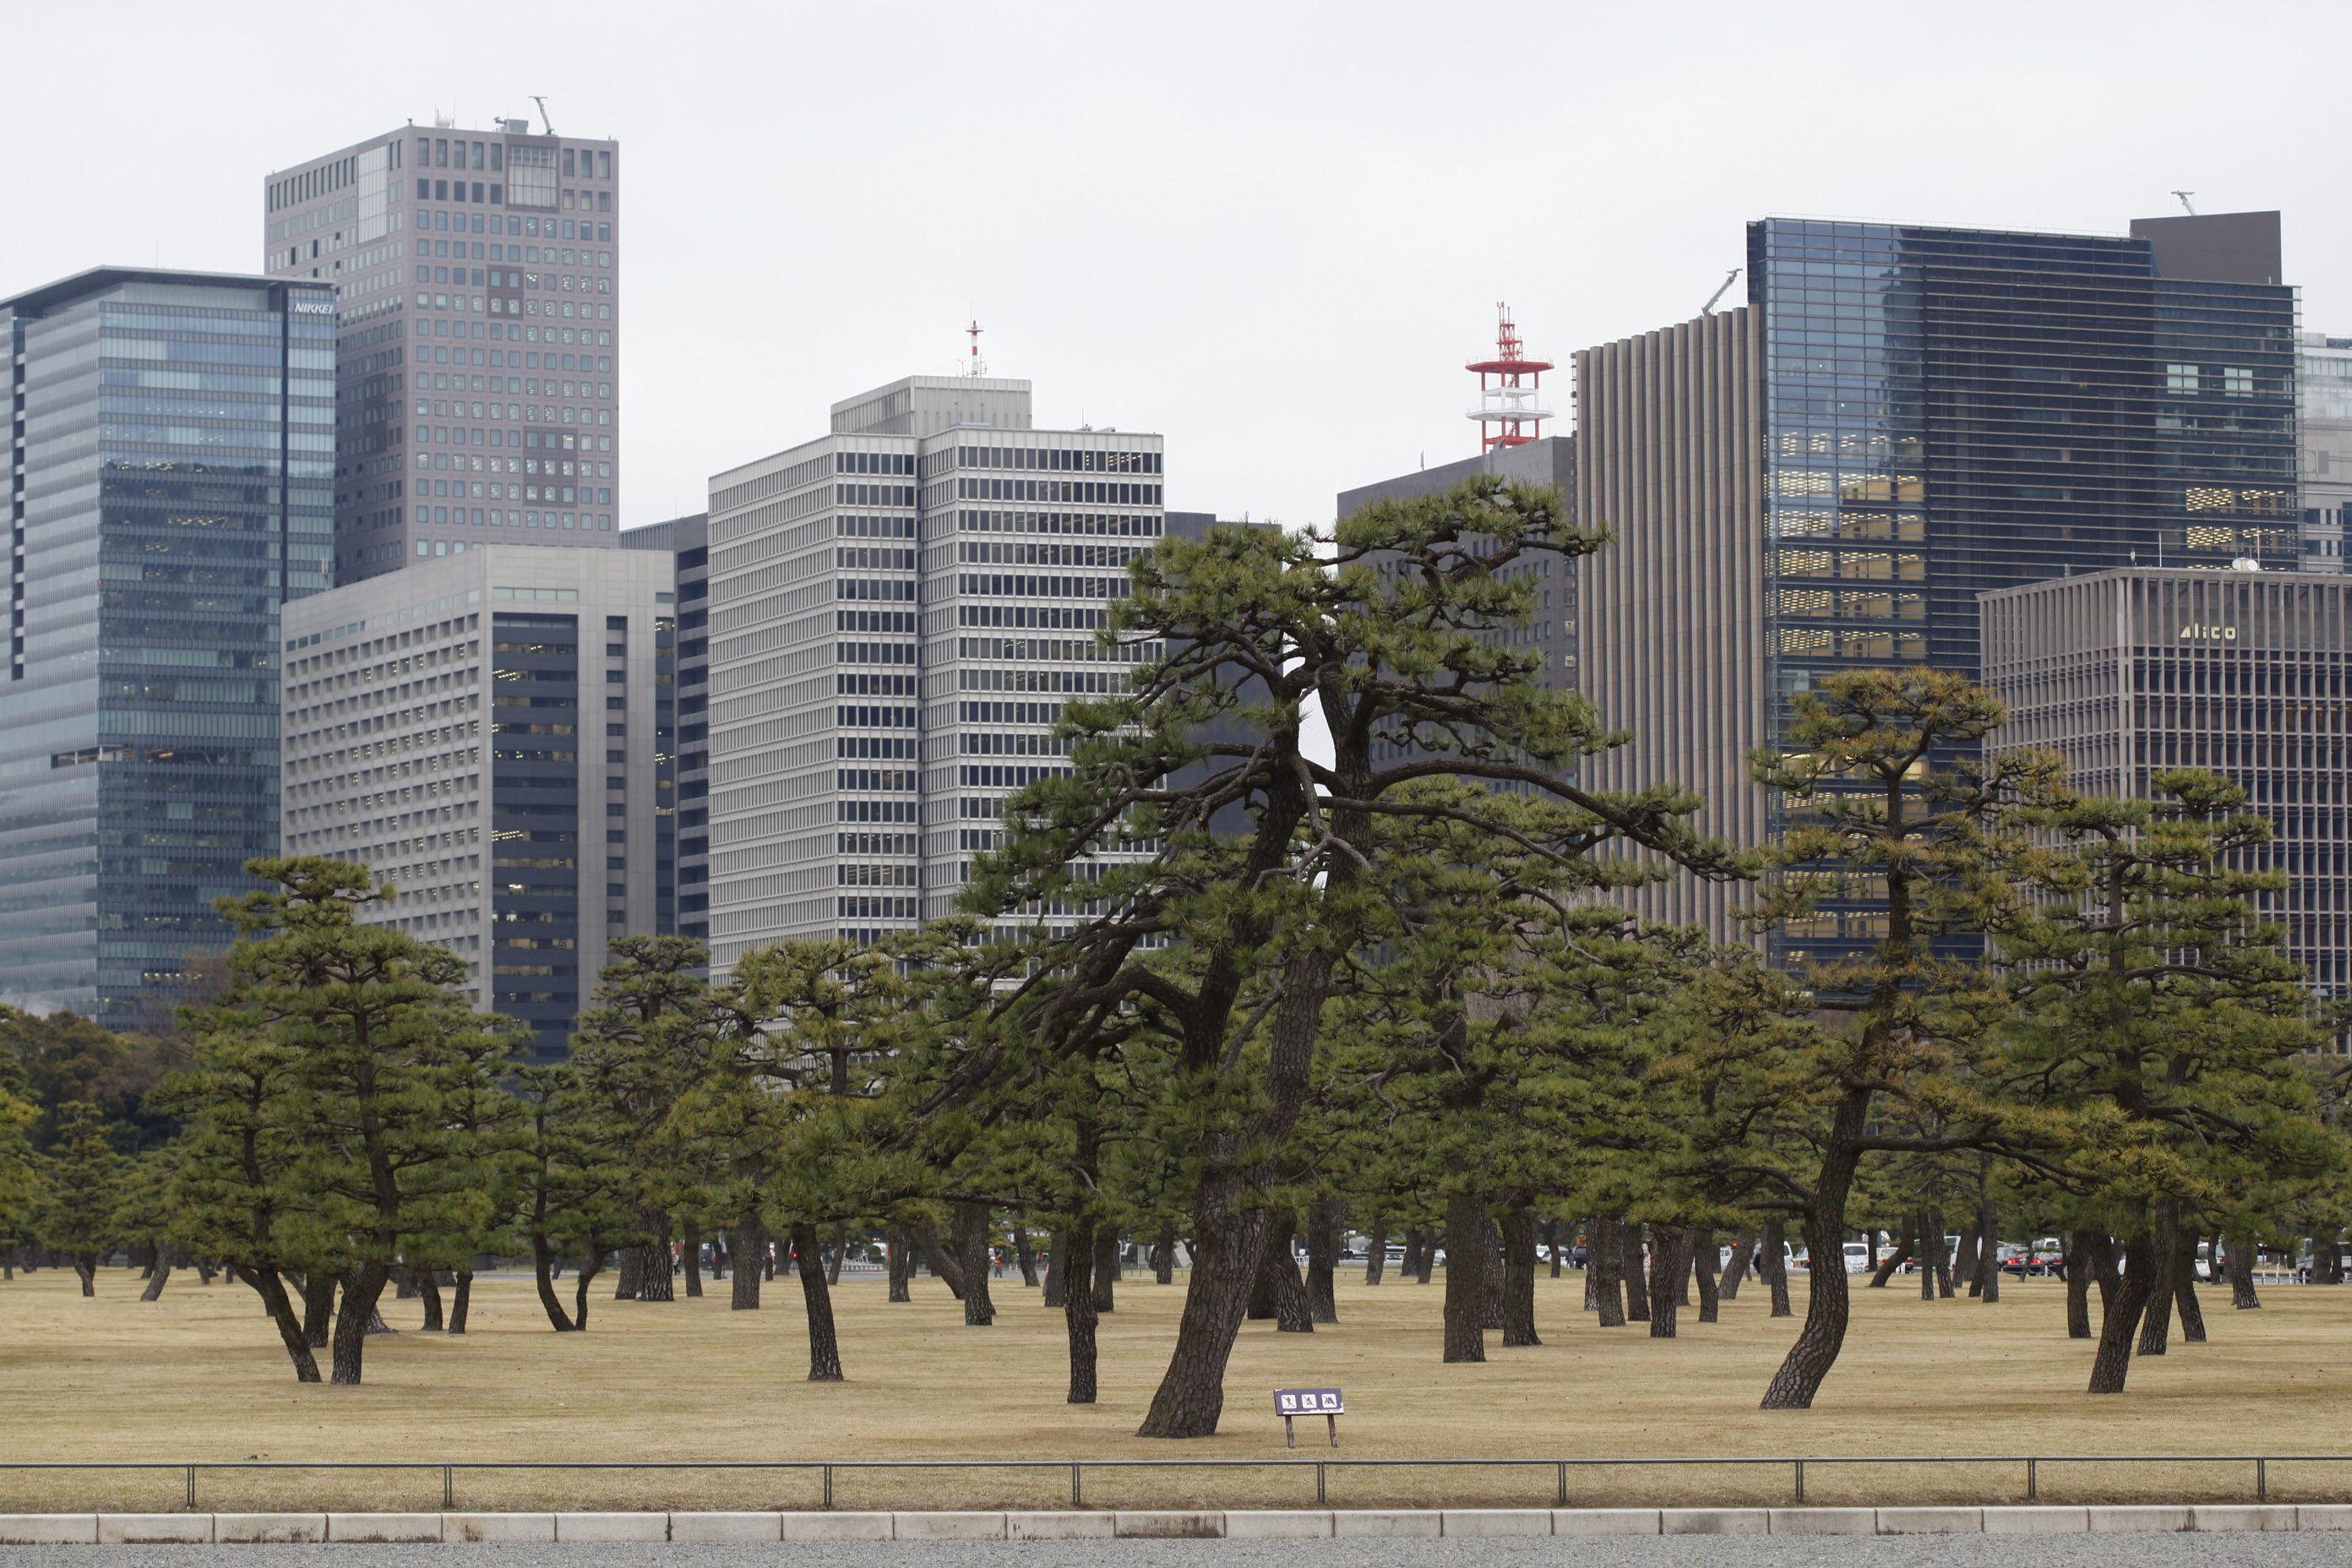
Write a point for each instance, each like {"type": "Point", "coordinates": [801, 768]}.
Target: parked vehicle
{"type": "Point", "coordinates": [2044, 1259]}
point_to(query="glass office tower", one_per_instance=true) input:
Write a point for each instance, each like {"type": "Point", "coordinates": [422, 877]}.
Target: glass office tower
{"type": "Point", "coordinates": [173, 486]}
{"type": "Point", "coordinates": [1900, 419]}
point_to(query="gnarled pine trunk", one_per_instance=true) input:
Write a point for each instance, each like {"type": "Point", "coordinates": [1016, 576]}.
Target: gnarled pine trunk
{"type": "Point", "coordinates": [1079, 1315]}
{"type": "Point", "coordinates": [2078, 1286]}
{"type": "Point", "coordinates": [1465, 1277]}
{"type": "Point", "coordinates": [318, 1308]}
{"type": "Point", "coordinates": [2112, 1364]}
{"type": "Point", "coordinates": [971, 1258]}
{"type": "Point", "coordinates": [543, 1276]}
{"type": "Point", "coordinates": [748, 1243]}
{"type": "Point", "coordinates": [1703, 1257]}
{"type": "Point", "coordinates": [901, 1267]}
{"type": "Point", "coordinates": [1323, 1220]}
{"type": "Point", "coordinates": [1669, 1267]}
{"type": "Point", "coordinates": [354, 1317]}
{"type": "Point", "coordinates": [1604, 1261]}
{"type": "Point", "coordinates": [1520, 1277]}
{"type": "Point", "coordinates": [1774, 1267]}
{"type": "Point", "coordinates": [1827, 1304]}
{"type": "Point", "coordinates": [816, 1296]}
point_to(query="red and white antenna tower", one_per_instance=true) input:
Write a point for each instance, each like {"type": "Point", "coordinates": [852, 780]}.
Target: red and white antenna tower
{"type": "Point", "coordinates": [974, 366]}
{"type": "Point", "coordinates": [1510, 411]}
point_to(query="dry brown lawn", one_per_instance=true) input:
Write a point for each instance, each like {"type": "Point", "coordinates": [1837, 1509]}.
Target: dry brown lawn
{"type": "Point", "coordinates": [199, 1376]}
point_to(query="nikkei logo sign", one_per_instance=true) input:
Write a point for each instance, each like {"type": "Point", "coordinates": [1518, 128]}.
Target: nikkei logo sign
{"type": "Point", "coordinates": [2200, 631]}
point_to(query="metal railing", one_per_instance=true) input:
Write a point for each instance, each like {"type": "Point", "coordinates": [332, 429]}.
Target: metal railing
{"type": "Point", "coordinates": [1076, 1468]}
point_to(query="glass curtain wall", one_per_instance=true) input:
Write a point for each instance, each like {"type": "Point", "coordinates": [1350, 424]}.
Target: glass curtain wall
{"type": "Point", "coordinates": [1951, 411]}
{"type": "Point", "coordinates": [178, 489]}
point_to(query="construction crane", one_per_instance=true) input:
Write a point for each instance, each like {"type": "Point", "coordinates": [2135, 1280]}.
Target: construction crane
{"type": "Point", "coordinates": [1729, 279]}
{"type": "Point", "coordinates": [2184, 196]}
{"type": "Point", "coordinates": [543, 120]}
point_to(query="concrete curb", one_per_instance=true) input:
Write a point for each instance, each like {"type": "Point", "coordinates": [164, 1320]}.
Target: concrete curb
{"type": "Point", "coordinates": [1157, 1524]}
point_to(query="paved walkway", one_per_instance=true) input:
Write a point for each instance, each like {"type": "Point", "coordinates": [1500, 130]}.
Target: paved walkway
{"type": "Point", "coordinates": [2231, 1550]}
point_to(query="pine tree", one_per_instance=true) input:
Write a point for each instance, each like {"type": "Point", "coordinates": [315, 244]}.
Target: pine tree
{"type": "Point", "coordinates": [83, 1181]}
{"type": "Point", "coordinates": [236, 1198]}
{"type": "Point", "coordinates": [641, 1045]}
{"type": "Point", "coordinates": [384, 1055]}
{"type": "Point", "coordinates": [1264, 858]}
{"type": "Point", "coordinates": [2154, 1002]}
{"type": "Point", "coordinates": [1885, 799]}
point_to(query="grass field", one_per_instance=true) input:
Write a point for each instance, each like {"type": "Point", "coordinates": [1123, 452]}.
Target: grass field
{"type": "Point", "coordinates": [199, 1375]}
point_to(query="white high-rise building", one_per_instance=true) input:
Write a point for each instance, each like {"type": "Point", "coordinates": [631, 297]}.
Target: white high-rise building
{"type": "Point", "coordinates": [489, 733]}
{"type": "Point", "coordinates": [899, 609]}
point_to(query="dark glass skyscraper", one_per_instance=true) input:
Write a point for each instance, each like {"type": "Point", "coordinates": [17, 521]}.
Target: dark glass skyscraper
{"type": "Point", "coordinates": [173, 486]}
{"type": "Point", "coordinates": [1901, 420]}
{"type": "Point", "coordinates": [1950, 411]}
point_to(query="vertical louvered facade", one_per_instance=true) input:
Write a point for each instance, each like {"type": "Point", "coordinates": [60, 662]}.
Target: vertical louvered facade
{"type": "Point", "coordinates": [1672, 639]}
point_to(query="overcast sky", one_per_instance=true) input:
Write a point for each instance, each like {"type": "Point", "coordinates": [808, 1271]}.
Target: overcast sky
{"type": "Point", "coordinates": [1272, 231]}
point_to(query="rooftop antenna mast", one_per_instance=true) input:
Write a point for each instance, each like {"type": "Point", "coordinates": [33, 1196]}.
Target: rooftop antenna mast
{"type": "Point", "coordinates": [1729, 279]}
{"type": "Point", "coordinates": [974, 366]}
{"type": "Point", "coordinates": [2184, 196]}
{"type": "Point", "coordinates": [543, 120]}
{"type": "Point", "coordinates": [1510, 411]}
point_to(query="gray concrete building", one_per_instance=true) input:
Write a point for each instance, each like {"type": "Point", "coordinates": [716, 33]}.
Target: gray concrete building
{"type": "Point", "coordinates": [2246, 673]}
{"type": "Point", "coordinates": [1548, 460]}
{"type": "Point", "coordinates": [485, 731]}
{"type": "Point", "coordinates": [171, 489]}
{"type": "Point", "coordinates": [899, 609]}
{"type": "Point", "coordinates": [479, 358]}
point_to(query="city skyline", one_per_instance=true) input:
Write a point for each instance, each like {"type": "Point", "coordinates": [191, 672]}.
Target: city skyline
{"type": "Point", "coordinates": [1213, 214]}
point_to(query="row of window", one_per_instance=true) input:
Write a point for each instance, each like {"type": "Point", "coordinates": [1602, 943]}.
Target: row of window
{"type": "Point", "coordinates": [1026, 587]}
{"type": "Point", "coordinates": [863, 718]}
{"type": "Point", "coordinates": [1084, 492]}
{"type": "Point", "coordinates": [458, 516]}
{"type": "Point", "coordinates": [499, 306]}
{"type": "Point", "coordinates": [448, 435]}
{"type": "Point", "coordinates": [874, 621]}
{"type": "Point", "coordinates": [445, 221]}
{"type": "Point", "coordinates": [528, 387]}
{"type": "Point", "coordinates": [986, 552]}
{"type": "Point", "coordinates": [1058, 459]}
{"type": "Point", "coordinates": [874, 685]}
{"type": "Point", "coordinates": [427, 353]}
{"type": "Point", "coordinates": [523, 386]}
{"type": "Point", "coordinates": [550, 467]}
{"type": "Point", "coordinates": [1059, 522]}
{"type": "Point", "coordinates": [874, 653]}
{"type": "Point", "coordinates": [498, 278]}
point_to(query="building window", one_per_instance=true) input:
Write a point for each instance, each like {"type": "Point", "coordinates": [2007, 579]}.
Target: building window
{"type": "Point", "coordinates": [2180, 378]}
